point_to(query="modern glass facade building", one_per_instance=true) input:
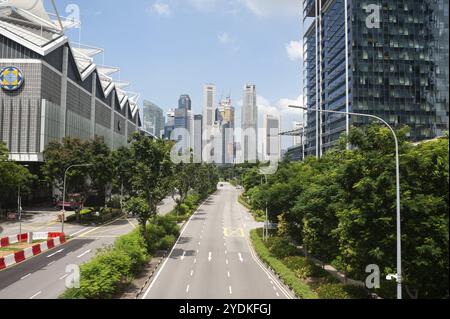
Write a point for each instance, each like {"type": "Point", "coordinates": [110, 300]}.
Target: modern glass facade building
{"type": "Point", "coordinates": [397, 66]}
{"type": "Point", "coordinates": [51, 89]}
{"type": "Point", "coordinates": [249, 124]}
{"type": "Point", "coordinates": [152, 118]}
{"type": "Point", "coordinates": [185, 102]}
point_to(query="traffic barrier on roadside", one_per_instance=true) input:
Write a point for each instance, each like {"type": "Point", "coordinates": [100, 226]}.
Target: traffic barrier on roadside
{"type": "Point", "coordinates": [53, 240]}
{"type": "Point", "coordinates": [10, 240]}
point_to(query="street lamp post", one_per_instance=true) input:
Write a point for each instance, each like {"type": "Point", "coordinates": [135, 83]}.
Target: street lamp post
{"type": "Point", "coordinates": [19, 209]}
{"type": "Point", "coordinates": [64, 192]}
{"type": "Point", "coordinates": [398, 276]}
{"type": "Point", "coordinates": [266, 225]}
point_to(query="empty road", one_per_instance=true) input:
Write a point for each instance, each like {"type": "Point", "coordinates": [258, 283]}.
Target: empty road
{"type": "Point", "coordinates": [213, 258]}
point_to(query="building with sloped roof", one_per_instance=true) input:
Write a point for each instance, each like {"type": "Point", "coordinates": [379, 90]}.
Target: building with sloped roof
{"type": "Point", "coordinates": [51, 88]}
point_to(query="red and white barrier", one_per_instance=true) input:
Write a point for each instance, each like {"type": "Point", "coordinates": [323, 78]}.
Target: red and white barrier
{"type": "Point", "coordinates": [53, 240]}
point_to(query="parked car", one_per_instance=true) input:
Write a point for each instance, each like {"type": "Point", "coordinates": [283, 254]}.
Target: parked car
{"type": "Point", "coordinates": [73, 202]}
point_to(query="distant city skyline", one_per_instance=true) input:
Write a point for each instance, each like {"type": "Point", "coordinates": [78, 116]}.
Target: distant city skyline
{"type": "Point", "coordinates": [227, 32]}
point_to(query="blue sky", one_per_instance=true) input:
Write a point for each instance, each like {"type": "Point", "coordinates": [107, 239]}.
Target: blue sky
{"type": "Point", "coordinates": [166, 48]}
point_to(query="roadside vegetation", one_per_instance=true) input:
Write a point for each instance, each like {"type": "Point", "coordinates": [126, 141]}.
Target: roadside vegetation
{"type": "Point", "coordinates": [145, 175]}
{"type": "Point", "coordinates": [12, 177]}
{"type": "Point", "coordinates": [341, 209]}
{"type": "Point", "coordinates": [307, 280]}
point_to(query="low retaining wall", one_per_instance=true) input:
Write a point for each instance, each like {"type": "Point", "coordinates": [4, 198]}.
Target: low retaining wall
{"type": "Point", "coordinates": [53, 240]}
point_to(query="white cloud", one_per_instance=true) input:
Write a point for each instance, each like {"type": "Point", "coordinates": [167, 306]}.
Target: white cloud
{"type": "Point", "coordinates": [295, 50]}
{"type": "Point", "coordinates": [273, 7]}
{"type": "Point", "coordinates": [224, 38]}
{"type": "Point", "coordinates": [161, 9]}
{"type": "Point", "coordinates": [281, 108]}
{"type": "Point", "coordinates": [203, 5]}
{"type": "Point", "coordinates": [227, 40]}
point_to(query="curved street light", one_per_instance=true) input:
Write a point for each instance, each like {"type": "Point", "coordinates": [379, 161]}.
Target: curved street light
{"type": "Point", "coordinates": [398, 276]}
{"type": "Point", "coordinates": [64, 192]}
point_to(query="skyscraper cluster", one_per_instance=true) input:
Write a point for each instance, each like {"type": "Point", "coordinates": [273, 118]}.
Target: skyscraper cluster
{"type": "Point", "coordinates": [213, 136]}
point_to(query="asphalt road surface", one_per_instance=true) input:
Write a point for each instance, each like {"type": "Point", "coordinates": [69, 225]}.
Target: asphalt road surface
{"type": "Point", "coordinates": [44, 276]}
{"type": "Point", "coordinates": [213, 258]}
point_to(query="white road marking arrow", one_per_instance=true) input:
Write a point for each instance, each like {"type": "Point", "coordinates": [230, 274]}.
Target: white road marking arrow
{"type": "Point", "coordinates": [210, 256]}
{"type": "Point", "coordinates": [184, 255]}
{"type": "Point", "coordinates": [240, 258]}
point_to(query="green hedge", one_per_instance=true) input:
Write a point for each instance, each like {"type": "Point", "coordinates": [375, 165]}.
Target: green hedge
{"type": "Point", "coordinates": [111, 269]}
{"type": "Point", "coordinates": [162, 233]}
{"type": "Point", "coordinates": [294, 270]}
{"type": "Point", "coordinates": [187, 208]}
{"type": "Point", "coordinates": [259, 215]}
{"type": "Point", "coordinates": [301, 289]}
{"type": "Point", "coordinates": [114, 268]}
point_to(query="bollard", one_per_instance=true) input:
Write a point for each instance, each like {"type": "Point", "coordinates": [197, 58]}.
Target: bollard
{"type": "Point", "coordinates": [30, 238]}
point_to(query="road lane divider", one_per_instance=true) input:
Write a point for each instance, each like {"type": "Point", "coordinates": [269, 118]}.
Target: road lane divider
{"type": "Point", "coordinates": [35, 295]}
{"type": "Point", "coordinates": [55, 253]}
{"type": "Point", "coordinates": [85, 253]}
{"type": "Point", "coordinates": [53, 240]}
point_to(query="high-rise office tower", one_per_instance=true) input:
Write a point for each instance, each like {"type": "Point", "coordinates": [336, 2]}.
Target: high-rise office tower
{"type": "Point", "coordinates": [185, 102]}
{"type": "Point", "coordinates": [182, 128]}
{"type": "Point", "coordinates": [170, 124]}
{"type": "Point", "coordinates": [397, 66]}
{"type": "Point", "coordinates": [272, 140]}
{"type": "Point", "coordinates": [249, 137]}
{"type": "Point", "coordinates": [226, 112]}
{"type": "Point", "coordinates": [153, 118]}
{"type": "Point", "coordinates": [209, 108]}
{"type": "Point", "coordinates": [198, 138]}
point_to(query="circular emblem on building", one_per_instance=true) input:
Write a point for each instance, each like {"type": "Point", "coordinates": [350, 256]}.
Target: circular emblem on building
{"type": "Point", "coordinates": [11, 78]}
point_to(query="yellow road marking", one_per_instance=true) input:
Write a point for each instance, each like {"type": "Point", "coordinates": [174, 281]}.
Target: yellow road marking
{"type": "Point", "coordinates": [234, 232]}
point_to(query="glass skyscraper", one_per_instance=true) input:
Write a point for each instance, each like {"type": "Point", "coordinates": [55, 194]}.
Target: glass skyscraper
{"type": "Point", "coordinates": [153, 118]}
{"type": "Point", "coordinates": [185, 102]}
{"type": "Point", "coordinates": [398, 66]}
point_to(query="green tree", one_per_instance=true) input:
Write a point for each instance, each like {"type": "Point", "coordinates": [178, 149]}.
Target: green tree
{"type": "Point", "coordinates": [140, 208]}
{"type": "Point", "coordinates": [151, 173]}
{"type": "Point", "coordinates": [59, 156]}
{"type": "Point", "coordinates": [12, 176]}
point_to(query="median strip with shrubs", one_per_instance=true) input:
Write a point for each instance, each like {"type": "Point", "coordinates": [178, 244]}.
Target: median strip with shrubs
{"type": "Point", "coordinates": [307, 280]}
{"type": "Point", "coordinates": [114, 268]}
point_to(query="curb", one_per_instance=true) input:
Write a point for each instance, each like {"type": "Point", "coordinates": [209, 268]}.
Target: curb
{"type": "Point", "coordinates": [151, 275]}
{"type": "Point", "coordinates": [53, 240]}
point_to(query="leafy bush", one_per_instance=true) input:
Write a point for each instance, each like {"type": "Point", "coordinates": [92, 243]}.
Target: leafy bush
{"type": "Point", "coordinates": [357, 292]}
{"type": "Point", "coordinates": [183, 209]}
{"type": "Point", "coordinates": [192, 201]}
{"type": "Point", "coordinates": [105, 274]}
{"type": "Point", "coordinates": [166, 242]}
{"type": "Point", "coordinates": [101, 277]}
{"type": "Point", "coordinates": [160, 232]}
{"type": "Point", "coordinates": [281, 248]}
{"type": "Point", "coordinates": [135, 247]}
{"type": "Point", "coordinates": [306, 269]}
{"type": "Point", "coordinates": [332, 291]}
{"type": "Point", "coordinates": [300, 288]}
